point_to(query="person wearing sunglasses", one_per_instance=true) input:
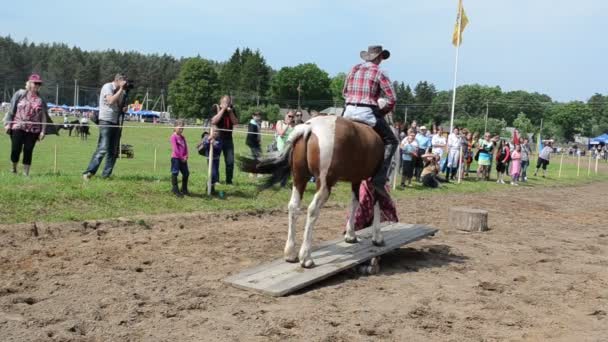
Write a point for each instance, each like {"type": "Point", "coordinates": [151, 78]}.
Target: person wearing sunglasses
{"type": "Point", "coordinates": [26, 122]}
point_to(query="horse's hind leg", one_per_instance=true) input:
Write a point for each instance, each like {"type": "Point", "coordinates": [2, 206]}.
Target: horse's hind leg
{"type": "Point", "coordinates": [350, 236]}
{"type": "Point", "coordinates": [294, 209]}
{"type": "Point", "coordinates": [313, 214]}
{"type": "Point", "coordinates": [377, 237]}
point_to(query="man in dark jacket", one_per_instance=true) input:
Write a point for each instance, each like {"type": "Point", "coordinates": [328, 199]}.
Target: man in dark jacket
{"type": "Point", "coordinates": [254, 139]}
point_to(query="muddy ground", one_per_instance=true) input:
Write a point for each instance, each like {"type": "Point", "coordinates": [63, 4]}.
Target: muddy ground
{"type": "Point", "coordinates": [539, 274]}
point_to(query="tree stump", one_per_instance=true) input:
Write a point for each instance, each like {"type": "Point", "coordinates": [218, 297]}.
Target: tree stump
{"type": "Point", "coordinates": [470, 220]}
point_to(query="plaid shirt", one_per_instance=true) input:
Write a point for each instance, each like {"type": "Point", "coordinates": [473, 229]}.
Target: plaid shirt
{"type": "Point", "coordinates": [365, 83]}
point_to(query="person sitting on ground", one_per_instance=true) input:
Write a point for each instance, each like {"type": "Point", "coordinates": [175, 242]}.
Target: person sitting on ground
{"type": "Point", "coordinates": [179, 159]}
{"type": "Point", "coordinates": [430, 171]}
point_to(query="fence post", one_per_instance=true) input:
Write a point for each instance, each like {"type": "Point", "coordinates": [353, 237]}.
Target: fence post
{"type": "Point", "coordinates": [578, 166]}
{"type": "Point", "coordinates": [561, 161]}
{"type": "Point", "coordinates": [589, 166]}
{"type": "Point", "coordinates": [210, 159]}
{"type": "Point", "coordinates": [154, 160]}
{"type": "Point", "coordinates": [55, 161]}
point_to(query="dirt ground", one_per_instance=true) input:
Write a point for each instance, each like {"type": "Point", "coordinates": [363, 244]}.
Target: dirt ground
{"type": "Point", "coordinates": [539, 274]}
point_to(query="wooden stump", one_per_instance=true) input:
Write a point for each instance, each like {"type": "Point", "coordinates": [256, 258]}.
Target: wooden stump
{"type": "Point", "coordinates": [470, 220]}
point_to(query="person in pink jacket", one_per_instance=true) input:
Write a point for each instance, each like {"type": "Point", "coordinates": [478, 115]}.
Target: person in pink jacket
{"type": "Point", "coordinates": [515, 164]}
{"type": "Point", "coordinates": [179, 159]}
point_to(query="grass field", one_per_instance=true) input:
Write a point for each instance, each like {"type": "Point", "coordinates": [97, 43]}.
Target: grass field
{"type": "Point", "coordinates": [136, 188]}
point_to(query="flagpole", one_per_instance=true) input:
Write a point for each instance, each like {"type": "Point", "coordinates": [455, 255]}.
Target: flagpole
{"type": "Point", "coordinates": [456, 66]}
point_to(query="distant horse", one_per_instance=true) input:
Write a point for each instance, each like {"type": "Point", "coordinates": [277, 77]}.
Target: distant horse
{"type": "Point", "coordinates": [331, 149]}
{"type": "Point", "coordinates": [82, 130]}
{"type": "Point", "coordinates": [69, 126]}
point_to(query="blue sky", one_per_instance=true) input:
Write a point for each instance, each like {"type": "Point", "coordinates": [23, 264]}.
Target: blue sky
{"type": "Point", "coordinates": [556, 47]}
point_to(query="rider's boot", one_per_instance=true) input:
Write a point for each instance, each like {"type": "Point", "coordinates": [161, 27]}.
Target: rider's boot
{"type": "Point", "coordinates": [380, 178]}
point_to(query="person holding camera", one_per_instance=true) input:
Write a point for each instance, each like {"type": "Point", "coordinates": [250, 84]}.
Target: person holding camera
{"type": "Point", "coordinates": [26, 122]}
{"type": "Point", "coordinates": [225, 118]}
{"type": "Point", "coordinates": [111, 103]}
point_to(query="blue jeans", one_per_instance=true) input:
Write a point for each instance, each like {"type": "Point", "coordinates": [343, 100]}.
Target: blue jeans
{"type": "Point", "coordinates": [106, 146]}
{"type": "Point", "coordinates": [178, 165]}
{"type": "Point", "coordinates": [228, 151]}
{"type": "Point", "coordinates": [524, 169]}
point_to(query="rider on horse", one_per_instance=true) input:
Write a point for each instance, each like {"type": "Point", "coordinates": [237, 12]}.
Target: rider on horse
{"type": "Point", "coordinates": [363, 87]}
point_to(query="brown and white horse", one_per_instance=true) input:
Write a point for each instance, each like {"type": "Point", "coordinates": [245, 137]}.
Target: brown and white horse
{"type": "Point", "coordinates": [331, 149]}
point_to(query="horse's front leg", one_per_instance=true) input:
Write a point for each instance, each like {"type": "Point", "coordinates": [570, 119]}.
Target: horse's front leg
{"type": "Point", "coordinates": [294, 208]}
{"type": "Point", "coordinates": [377, 237]}
{"type": "Point", "coordinates": [313, 214]}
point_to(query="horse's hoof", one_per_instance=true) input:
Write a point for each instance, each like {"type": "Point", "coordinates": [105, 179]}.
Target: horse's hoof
{"type": "Point", "coordinates": [350, 239]}
{"type": "Point", "coordinates": [307, 263]}
{"type": "Point", "coordinates": [292, 260]}
{"type": "Point", "coordinates": [378, 243]}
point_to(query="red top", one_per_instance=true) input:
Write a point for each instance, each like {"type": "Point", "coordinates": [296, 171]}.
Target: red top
{"type": "Point", "coordinates": [364, 85]}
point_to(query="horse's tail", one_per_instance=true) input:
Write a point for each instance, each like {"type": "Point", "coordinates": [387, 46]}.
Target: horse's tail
{"type": "Point", "coordinates": [278, 166]}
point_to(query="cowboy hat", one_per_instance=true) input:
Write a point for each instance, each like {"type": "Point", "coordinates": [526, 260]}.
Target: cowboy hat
{"type": "Point", "coordinates": [374, 51]}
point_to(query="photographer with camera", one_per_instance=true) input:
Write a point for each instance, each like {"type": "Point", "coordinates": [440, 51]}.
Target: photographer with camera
{"type": "Point", "coordinates": [224, 117]}
{"type": "Point", "coordinates": [111, 105]}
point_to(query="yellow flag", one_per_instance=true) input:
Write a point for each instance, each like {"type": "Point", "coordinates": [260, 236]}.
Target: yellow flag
{"type": "Point", "coordinates": [463, 23]}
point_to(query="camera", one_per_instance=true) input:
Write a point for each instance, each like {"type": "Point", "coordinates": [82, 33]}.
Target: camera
{"type": "Point", "coordinates": [129, 85]}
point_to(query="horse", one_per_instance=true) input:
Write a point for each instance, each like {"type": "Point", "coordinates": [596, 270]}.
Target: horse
{"type": "Point", "coordinates": [331, 149]}
{"type": "Point", "coordinates": [82, 130]}
{"type": "Point", "coordinates": [69, 126]}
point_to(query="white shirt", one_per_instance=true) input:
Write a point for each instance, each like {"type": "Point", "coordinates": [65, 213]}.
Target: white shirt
{"type": "Point", "coordinates": [438, 140]}
{"type": "Point", "coordinates": [454, 141]}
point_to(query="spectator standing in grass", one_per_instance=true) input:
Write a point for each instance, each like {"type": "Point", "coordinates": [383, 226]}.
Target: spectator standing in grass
{"type": "Point", "coordinates": [409, 148]}
{"type": "Point", "coordinates": [283, 129]}
{"type": "Point", "coordinates": [179, 159]}
{"type": "Point", "coordinates": [525, 160]}
{"type": "Point", "coordinates": [503, 155]}
{"type": "Point", "coordinates": [111, 103]}
{"type": "Point", "coordinates": [225, 119]}
{"type": "Point", "coordinates": [543, 158]}
{"type": "Point", "coordinates": [208, 143]}
{"type": "Point", "coordinates": [26, 122]}
{"type": "Point", "coordinates": [515, 164]}
{"type": "Point", "coordinates": [439, 145]}
{"type": "Point", "coordinates": [254, 138]}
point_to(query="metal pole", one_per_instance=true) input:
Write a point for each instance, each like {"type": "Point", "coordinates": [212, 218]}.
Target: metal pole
{"type": "Point", "coordinates": [456, 68]}
{"type": "Point", "coordinates": [57, 94]}
{"type": "Point", "coordinates": [589, 166]}
{"type": "Point", "coordinates": [578, 166]}
{"type": "Point", "coordinates": [561, 161]}
{"type": "Point", "coordinates": [75, 87]}
{"type": "Point", "coordinates": [485, 129]}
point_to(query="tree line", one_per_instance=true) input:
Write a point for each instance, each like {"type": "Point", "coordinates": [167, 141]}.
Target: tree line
{"type": "Point", "coordinates": [194, 84]}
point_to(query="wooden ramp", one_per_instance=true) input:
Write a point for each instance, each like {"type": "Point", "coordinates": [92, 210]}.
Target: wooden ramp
{"type": "Point", "coordinates": [280, 278]}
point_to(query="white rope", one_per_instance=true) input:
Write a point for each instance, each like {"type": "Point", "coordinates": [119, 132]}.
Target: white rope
{"type": "Point", "coordinates": [134, 126]}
